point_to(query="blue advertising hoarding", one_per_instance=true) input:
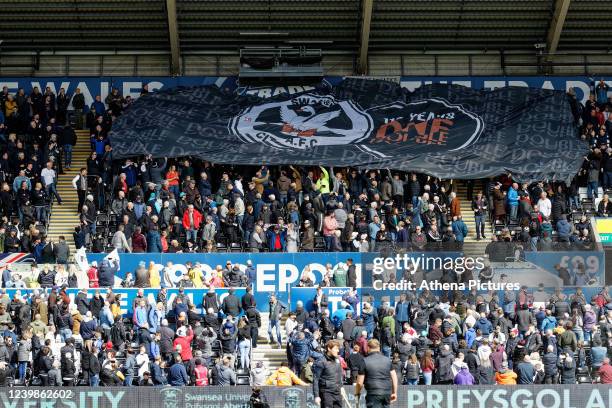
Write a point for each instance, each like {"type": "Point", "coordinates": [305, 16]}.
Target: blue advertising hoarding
{"type": "Point", "coordinates": [585, 268]}
{"type": "Point", "coordinates": [276, 273]}
{"type": "Point", "coordinates": [129, 85]}
{"type": "Point", "coordinates": [129, 294]}
{"type": "Point", "coordinates": [280, 273]}
{"type": "Point", "coordinates": [335, 297]}
{"type": "Point", "coordinates": [581, 84]}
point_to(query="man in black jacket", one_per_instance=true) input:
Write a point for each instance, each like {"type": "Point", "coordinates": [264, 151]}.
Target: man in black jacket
{"type": "Point", "coordinates": [68, 141]}
{"type": "Point", "coordinates": [248, 299]}
{"type": "Point", "coordinates": [326, 327]}
{"type": "Point", "coordinates": [94, 368]}
{"type": "Point", "coordinates": [254, 322]}
{"type": "Point", "coordinates": [328, 375]}
{"type": "Point", "coordinates": [351, 274]}
{"type": "Point", "coordinates": [166, 340]}
{"type": "Point", "coordinates": [550, 365]}
{"type": "Point", "coordinates": [46, 278]}
{"type": "Point", "coordinates": [210, 301]}
{"type": "Point", "coordinates": [379, 378]}
{"type": "Point", "coordinates": [78, 103]}
{"type": "Point", "coordinates": [82, 303]}
{"type": "Point", "coordinates": [106, 273]}
{"type": "Point", "coordinates": [231, 304]}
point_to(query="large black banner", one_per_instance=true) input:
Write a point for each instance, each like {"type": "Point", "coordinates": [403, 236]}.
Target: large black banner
{"type": "Point", "coordinates": [447, 131]}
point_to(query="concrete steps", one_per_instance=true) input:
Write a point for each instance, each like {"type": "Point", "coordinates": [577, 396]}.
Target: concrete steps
{"type": "Point", "coordinates": [471, 246]}
{"type": "Point", "coordinates": [268, 353]}
{"type": "Point", "coordinates": [65, 217]}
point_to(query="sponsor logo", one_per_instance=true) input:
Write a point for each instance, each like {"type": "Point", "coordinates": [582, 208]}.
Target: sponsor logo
{"type": "Point", "coordinates": [170, 397]}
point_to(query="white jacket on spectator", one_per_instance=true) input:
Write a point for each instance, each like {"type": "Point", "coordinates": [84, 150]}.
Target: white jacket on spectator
{"type": "Point", "coordinates": [119, 242]}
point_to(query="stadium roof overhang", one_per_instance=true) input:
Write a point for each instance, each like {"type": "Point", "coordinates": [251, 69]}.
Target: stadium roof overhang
{"type": "Point", "coordinates": [358, 27]}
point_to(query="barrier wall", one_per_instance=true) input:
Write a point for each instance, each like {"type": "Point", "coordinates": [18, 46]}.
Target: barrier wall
{"type": "Point", "coordinates": [593, 262]}
{"type": "Point", "coordinates": [549, 396]}
{"type": "Point", "coordinates": [276, 273]}
{"type": "Point", "coordinates": [130, 85]}
{"type": "Point", "coordinates": [128, 296]}
{"type": "Point", "coordinates": [280, 274]}
{"type": "Point", "coordinates": [279, 271]}
{"type": "Point", "coordinates": [334, 295]}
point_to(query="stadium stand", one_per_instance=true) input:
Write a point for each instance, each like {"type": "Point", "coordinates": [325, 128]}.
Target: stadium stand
{"type": "Point", "coordinates": [186, 206]}
{"type": "Point", "coordinates": [65, 198]}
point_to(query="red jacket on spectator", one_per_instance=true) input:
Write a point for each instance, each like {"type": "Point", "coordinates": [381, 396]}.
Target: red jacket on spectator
{"type": "Point", "coordinates": [197, 219]}
{"type": "Point", "coordinates": [164, 242]}
{"type": "Point", "coordinates": [605, 374]}
{"type": "Point", "coordinates": [185, 343]}
{"type": "Point", "coordinates": [435, 334]}
{"type": "Point", "coordinates": [139, 243]}
{"type": "Point", "coordinates": [92, 275]}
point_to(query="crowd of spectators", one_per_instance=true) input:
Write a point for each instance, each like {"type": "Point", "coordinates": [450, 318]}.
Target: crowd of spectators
{"type": "Point", "coordinates": [37, 137]}
{"type": "Point", "coordinates": [189, 205]}
{"type": "Point", "coordinates": [194, 206]}
{"type": "Point", "coordinates": [525, 337]}
{"type": "Point", "coordinates": [157, 205]}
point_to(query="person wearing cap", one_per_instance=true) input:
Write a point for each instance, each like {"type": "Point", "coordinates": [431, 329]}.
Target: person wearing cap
{"type": "Point", "coordinates": [191, 192]}
{"type": "Point", "coordinates": [184, 336]}
{"type": "Point", "coordinates": [308, 237]}
{"type": "Point", "coordinates": [146, 380]}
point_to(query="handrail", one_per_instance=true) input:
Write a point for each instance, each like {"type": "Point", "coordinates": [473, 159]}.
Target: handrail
{"type": "Point", "coordinates": [281, 52]}
{"type": "Point", "coordinates": [596, 237]}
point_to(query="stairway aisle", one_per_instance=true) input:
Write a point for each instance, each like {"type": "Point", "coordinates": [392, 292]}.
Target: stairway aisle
{"type": "Point", "coordinates": [268, 353]}
{"type": "Point", "coordinates": [471, 246]}
{"type": "Point", "coordinates": [65, 217]}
